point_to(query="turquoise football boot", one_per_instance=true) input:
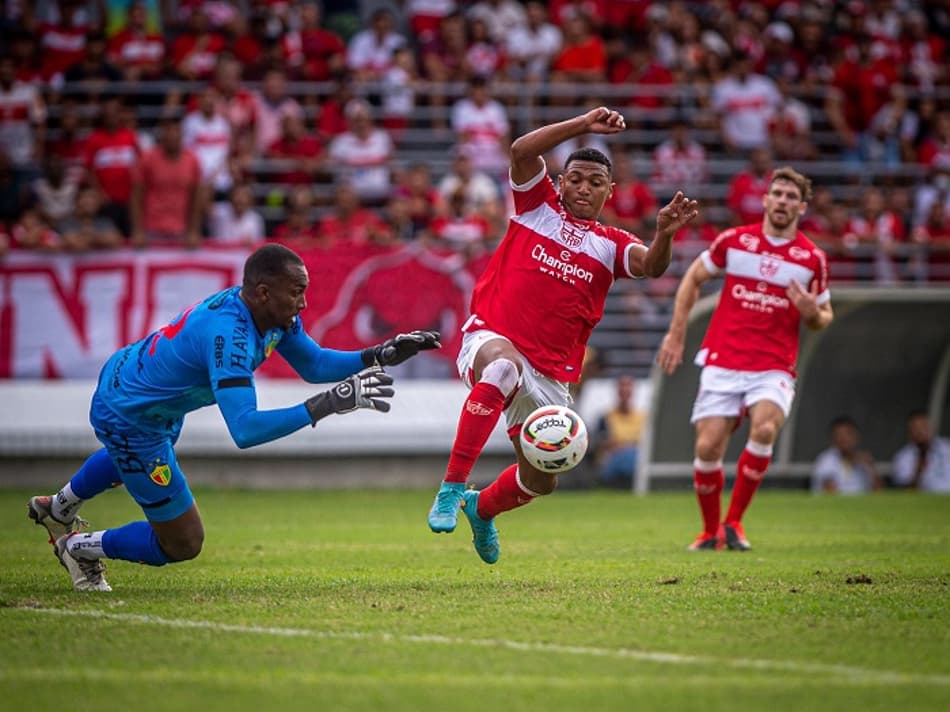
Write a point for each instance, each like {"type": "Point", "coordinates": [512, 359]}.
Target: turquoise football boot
{"type": "Point", "coordinates": [444, 514]}
{"type": "Point", "coordinates": [485, 539]}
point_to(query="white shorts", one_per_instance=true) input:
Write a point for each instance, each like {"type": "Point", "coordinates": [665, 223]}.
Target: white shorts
{"type": "Point", "coordinates": [534, 388]}
{"type": "Point", "coordinates": [726, 393]}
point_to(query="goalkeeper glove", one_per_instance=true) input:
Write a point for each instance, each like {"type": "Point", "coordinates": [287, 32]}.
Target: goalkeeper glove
{"type": "Point", "coordinates": [401, 347]}
{"type": "Point", "coordinates": [365, 389]}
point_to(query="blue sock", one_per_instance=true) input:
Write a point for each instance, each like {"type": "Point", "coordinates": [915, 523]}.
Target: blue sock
{"type": "Point", "coordinates": [96, 475]}
{"type": "Point", "coordinates": [136, 542]}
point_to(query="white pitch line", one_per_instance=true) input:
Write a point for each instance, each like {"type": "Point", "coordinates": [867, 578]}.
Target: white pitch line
{"type": "Point", "coordinates": [857, 674]}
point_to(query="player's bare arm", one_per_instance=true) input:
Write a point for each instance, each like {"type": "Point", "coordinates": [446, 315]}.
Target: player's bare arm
{"type": "Point", "coordinates": [670, 219]}
{"type": "Point", "coordinates": [816, 316]}
{"type": "Point", "coordinates": [527, 150]}
{"type": "Point", "coordinates": [671, 348]}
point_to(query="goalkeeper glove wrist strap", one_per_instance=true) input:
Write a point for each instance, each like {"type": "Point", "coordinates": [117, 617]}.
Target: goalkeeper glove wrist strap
{"type": "Point", "coordinates": [369, 356]}
{"type": "Point", "coordinates": [319, 407]}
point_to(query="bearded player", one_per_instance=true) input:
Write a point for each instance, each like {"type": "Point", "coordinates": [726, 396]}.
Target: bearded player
{"type": "Point", "coordinates": [533, 311]}
{"type": "Point", "coordinates": [775, 279]}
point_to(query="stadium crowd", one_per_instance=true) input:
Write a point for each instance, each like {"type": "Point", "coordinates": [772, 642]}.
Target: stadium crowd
{"type": "Point", "coordinates": [204, 121]}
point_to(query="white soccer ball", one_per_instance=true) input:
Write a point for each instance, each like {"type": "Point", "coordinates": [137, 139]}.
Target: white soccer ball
{"type": "Point", "coordinates": [554, 438]}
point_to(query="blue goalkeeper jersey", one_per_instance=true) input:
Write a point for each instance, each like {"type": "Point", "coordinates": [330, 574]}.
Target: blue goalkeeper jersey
{"type": "Point", "coordinates": [208, 354]}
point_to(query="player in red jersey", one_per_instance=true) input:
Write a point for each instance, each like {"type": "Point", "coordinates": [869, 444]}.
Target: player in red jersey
{"type": "Point", "coordinates": [534, 308]}
{"type": "Point", "coordinates": [775, 278]}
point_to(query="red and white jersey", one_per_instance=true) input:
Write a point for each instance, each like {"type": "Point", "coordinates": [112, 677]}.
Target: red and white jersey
{"type": "Point", "coordinates": [755, 325]}
{"type": "Point", "coordinates": [210, 140]}
{"type": "Point", "coordinates": [545, 286]}
{"type": "Point", "coordinates": [481, 130]}
{"type": "Point", "coordinates": [21, 108]}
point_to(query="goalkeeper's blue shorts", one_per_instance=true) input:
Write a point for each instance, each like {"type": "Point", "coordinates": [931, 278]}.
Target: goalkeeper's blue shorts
{"type": "Point", "coordinates": [146, 462]}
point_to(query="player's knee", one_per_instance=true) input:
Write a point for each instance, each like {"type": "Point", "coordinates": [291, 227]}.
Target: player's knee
{"type": "Point", "coordinates": [183, 548]}
{"type": "Point", "coordinates": [708, 450]}
{"type": "Point", "coordinates": [764, 432]}
{"type": "Point", "coordinates": [503, 374]}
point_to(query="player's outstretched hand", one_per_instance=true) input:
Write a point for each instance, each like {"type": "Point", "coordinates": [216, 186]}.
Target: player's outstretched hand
{"type": "Point", "coordinates": [805, 300]}
{"type": "Point", "coordinates": [671, 354]}
{"type": "Point", "coordinates": [604, 121]}
{"type": "Point", "coordinates": [367, 389]}
{"type": "Point", "coordinates": [673, 216]}
{"type": "Point", "coordinates": [401, 347]}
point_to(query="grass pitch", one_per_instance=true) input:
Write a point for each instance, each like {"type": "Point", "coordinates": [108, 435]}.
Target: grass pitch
{"type": "Point", "coordinates": [345, 601]}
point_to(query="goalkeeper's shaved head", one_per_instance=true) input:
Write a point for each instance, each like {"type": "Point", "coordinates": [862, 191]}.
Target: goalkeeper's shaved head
{"type": "Point", "coordinates": [268, 263]}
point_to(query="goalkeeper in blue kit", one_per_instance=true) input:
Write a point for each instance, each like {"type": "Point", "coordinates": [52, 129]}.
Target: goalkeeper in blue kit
{"type": "Point", "coordinates": [206, 355]}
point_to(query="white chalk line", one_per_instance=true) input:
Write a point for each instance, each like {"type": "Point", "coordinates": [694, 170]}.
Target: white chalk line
{"type": "Point", "coordinates": [848, 672]}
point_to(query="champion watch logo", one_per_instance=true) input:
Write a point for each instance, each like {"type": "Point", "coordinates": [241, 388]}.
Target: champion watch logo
{"type": "Point", "coordinates": [161, 475]}
{"type": "Point", "coordinates": [476, 408]}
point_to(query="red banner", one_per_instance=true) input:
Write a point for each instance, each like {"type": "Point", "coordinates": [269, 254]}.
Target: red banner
{"type": "Point", "coordinates": [61, 316]}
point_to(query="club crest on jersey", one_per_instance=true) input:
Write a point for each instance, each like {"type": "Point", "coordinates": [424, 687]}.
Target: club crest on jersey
{"type": "Point", "coordinates": [161, 475]}
{"type": "Point", "coordinates": [768, 267]}
{"type": "Point", "coordinates": [572, 235]}
{"type": "Point", "coordinates": [750, 242]}
{"type": "Point", "coordinates": [798, 253]}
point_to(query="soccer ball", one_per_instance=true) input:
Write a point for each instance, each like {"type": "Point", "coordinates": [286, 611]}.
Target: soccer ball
{"type": "Point", "coordinates": [554, 438]}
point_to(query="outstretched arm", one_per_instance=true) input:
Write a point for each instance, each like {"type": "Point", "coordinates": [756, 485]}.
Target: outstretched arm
{"type": "Point", "coordinates": [671, 348]}
{"type": "Point", "coordinates": [527, 150]}
{"type": "Point", "coordinates": [249, 426]}
{"type": "Point", "coordinates": [670, 219]}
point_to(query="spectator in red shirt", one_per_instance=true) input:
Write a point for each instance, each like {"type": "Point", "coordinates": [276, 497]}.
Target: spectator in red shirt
{"type": "Point", "coordinates": [138, 53]}
{"type": "Point", "coordinates": [195, 51]}
{"type": "Point", "coordinates": [94, 68]}
{"type": "Point", "coordinates": [299, 229]}
{"type": "Point", "coordinates": [462, 229]}
{"type": "Point", "coordinates": [583, 57]}
{"type": "Point", "coordinates": [69, 142]}
{"type": "Point", "coordinates": [314, 53]}
{"type": "Point", "coordinates": [63, 42]}
{"type": "Point", "coordinates": [300, 151]}
{"type": "Point", "coordinates": [166, 202]}
{"type": "Point", "coordinates": [934, 150]}
{"type": "Point", "coordinates": [933, 237]}
{"type": "Point", "coordinates": [860, 87]}
{"type": "Point", "coordinates": [425, 201]}
{"type": "Point", "coordinates": [111, 153]}
{"type": "Point", "coordinates": [632, 204]}
{"type": "Point", "coordinates": [350, 223]}
{"type": "Point", "coordinates": [748, 187]}
{"type": "Point", "coordinates": [922, 52]}
{"type": "Point", "coordinates": [881, 233]}
{"type": "Point", "coordinates": [679, 162]}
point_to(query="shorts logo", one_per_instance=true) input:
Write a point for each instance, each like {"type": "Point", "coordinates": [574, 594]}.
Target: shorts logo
{"type": "Point", "coordinates": [476, 408]}
{"type": "Point", "coordinates": [161, 475]}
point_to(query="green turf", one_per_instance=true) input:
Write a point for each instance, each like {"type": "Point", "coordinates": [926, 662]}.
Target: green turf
{"type": "Point", "coordinates": [591, 591]}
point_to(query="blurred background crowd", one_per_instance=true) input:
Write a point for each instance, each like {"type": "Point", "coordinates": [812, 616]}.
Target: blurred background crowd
{"type": "Point", "coordinates": [197, 122]}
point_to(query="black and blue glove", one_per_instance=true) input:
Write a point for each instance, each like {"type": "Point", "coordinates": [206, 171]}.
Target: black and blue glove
{"type": "Point", "coordinates": [400, 348]}
{"type": "Point", "coordinates": [366, 389]}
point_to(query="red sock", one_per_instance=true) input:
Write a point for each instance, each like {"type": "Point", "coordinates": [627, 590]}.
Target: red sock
{"type": "Point", "coordinates": [481, 412]}
{"type": "Point", "coordinates": [503, 494]}
{"type": "Point", "coordinates": [749, 473]}
{"type": "Point", "coordinates": [708, 486]}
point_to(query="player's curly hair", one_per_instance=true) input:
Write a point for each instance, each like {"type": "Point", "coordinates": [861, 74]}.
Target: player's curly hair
{"type": "Point", "coordinates": [268, 263]}
{"type": "Point", "coordinates": [589, 154]}
{"type": "Point", "coordinates": [792, 176]}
